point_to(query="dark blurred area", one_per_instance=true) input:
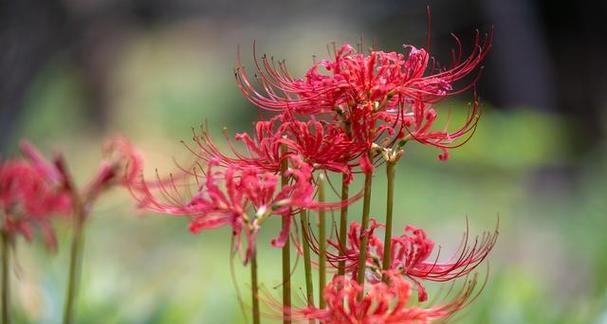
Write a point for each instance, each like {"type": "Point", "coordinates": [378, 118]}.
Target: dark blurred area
{"type": "Point", "coordinates": [74, 71]}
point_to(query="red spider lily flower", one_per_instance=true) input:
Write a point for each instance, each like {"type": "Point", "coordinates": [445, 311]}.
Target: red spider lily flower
{"type": "Point", "coordinates": [121, 165]}
{"type": "Point", "coordinates": [385, 79]}
{"type": "Point", "coordinates": [321, 144]}
{"type": "Point", "coordinates": [375, 96]}
{"type": "Point", "coordinates": [263, 150]}
{"type": "Point", "coordinates": [418, 124]}
{"type": "Point", "coordinates": [123, 156]}
{"type": "Point", "coordinates": [37, 160]}
{"type": "Point", "coordinates": [239, 197]}
{"type": "Point", "coordinates": [381, 303]}
{"type": "Point", "coordinates": [412, 255]}
{"type": "Point", "coordinates": [32, 191]}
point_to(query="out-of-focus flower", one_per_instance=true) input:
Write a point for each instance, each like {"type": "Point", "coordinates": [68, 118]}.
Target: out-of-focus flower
{"type": "Point", "coordinates": [412, 255]}
{"type": "Point", "coordinates": [122, 165]}
{"type": "Point", "coordinates": [380, 303]}
{"type": "Point", "coordinates": [32, 191]}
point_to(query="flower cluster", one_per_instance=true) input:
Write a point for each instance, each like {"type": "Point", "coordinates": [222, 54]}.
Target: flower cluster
{"type": "Point", "coordinates": [375, 96]}
{"type": "Point", "coordinates": [347, 115]}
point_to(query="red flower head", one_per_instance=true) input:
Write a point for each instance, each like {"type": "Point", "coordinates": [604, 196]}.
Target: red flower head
{"type": "Point", "coordinates": [412, 255]}
{"type": "Point", "coordinates": [263, 149]}
{"type": "Point", "coordinates": [321, 144]}
{"type": "Point", "coordinates": [377, 81]}
{"type": "Point", "coordinates": [381, 303]}
{"type": "Point", "coordinates": [385, 95]}
{"type": "Point", "coordinates": [241, 197]}
{"type": "Point", "coordinates": [418, 124]}
{"type": "Point", "coordinates": [121, 165]}
{"type": "Point", "coordinates": [32, 191]}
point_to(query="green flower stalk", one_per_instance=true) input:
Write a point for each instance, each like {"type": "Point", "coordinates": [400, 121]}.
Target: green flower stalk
{"type": "Point", "coordinates": [254, 289]}
{"type": "Point", "coordinates": [322, 242]}
{"type": "Point", "coordinates": [343, 224]}
{"type": "Point", "coordinates": [391, 156]}
{"type": "Point", "coordinates": [286, 249]}
{"type": "Point", "coordinates": [306, 255]}
{"type": "Point", "coordinates": [360, 279]}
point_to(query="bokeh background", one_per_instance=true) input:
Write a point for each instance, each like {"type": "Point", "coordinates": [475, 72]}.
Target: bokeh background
{"type": "Point", "coordinates": [76, 72]}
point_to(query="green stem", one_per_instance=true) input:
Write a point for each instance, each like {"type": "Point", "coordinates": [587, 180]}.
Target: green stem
{"type": "Point", "coordinates": [362, 262]}
{"type": "Point", "coordinates": [343, 224]}
{"type": "Point", "coordinates": [5, 277]}
{"type": "Point", "coordinates": [322, 243]}
{"type": "Point", "coordinates": [389, 211]}
{"type": "Point", "coordinates": [254, 288]}
{"type": "Point", "coordinates": [79, 209]}
{"type": "Point", "coordinates": [286, 250]}
{"type": "Point", "coordinates": [306, 254]}
{"type": "Point", "coordinates": [75, 266]}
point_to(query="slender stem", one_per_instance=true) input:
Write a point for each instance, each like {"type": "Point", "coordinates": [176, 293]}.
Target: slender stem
{"type": "Point", "coordinates": [322, 243]}
{"type": "Point", "coordinates": [254, 288]}
{"type": "Point", "coordinates": [343, 224]}
{"type": "Point", "coordinates": [389, 208]}
{"type": "Point", "coordinates": [5, 277]}
{"type": "Point", "coordinates": [79, 207]}
{"type": "Point", "coordinates": [306, 254]}
{"type": "Point", "coordinates": [75, 266]}
{"type": "Point", "coordinates": [362, 261]}
{"type": "Point", "coordinates": [286, 250]}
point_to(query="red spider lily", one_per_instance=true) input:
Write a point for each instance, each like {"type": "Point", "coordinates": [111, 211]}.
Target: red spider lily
{"type": "Point", "coordinates": [381, 303]}
{"type": "Point", "coordinates": [323, 145]}
{"type": "Point", "coordinates": [121, 165]}
{"type": "Point", "coordinates": [384, 79]}
{"type": "Point", "coordinates": [375, 96]}
{"type": "Point", "coordinates": [418, 122]}
{"type": "Point", "coordinates": [320, 144]}
{"type": "Point", "coordinates": [263, 150]}
{"type": "Point", "coordinates": [240, 197]}
{"type": "Point", "coordinates": [412, 255]}
{"type": "Point", "coordinates": [32, 191]}
{"type": "Point", "coordinates": [38, 161]}
{"type": "Point", "coordinates": [122, 156]}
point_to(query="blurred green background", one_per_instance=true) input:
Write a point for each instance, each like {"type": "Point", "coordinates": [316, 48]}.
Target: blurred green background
{"type": "Point", "coordinates": [76, 73]}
